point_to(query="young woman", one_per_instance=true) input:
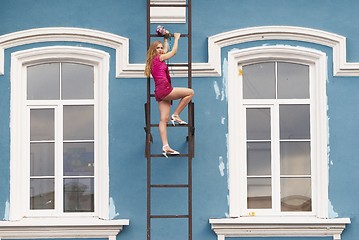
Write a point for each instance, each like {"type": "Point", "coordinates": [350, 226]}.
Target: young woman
{"type": "Point", "coordinates": [157, 54]}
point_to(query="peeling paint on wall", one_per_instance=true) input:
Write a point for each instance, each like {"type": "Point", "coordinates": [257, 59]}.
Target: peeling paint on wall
{"type": "Point", "coordinates": [223, 120]}
{"type": "Point", "coordinates": [224, 80]}
{"type": "Point", "coordinates": [216, 89]}
{"type": "Point", "coordinates": [7, 207]}
{"type": "Point", "coordinates": [112, 209]}
{"type": "Point", "coordinates": [227, 165]}
{"type": "Point", "coordinates": [227, 146]}
{"type": "Point", "coordinates": [222, 91]}
{"type": "Point", "coordinates": [221, 165]}
{"type": "Point", "coordinates": [331, 212]}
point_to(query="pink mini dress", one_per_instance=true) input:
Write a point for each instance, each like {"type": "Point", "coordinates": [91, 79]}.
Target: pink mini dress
{"type": "Point", "coordinates": [161, 75]}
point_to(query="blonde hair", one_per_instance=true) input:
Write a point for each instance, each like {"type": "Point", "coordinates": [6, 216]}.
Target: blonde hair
{"type": "Point", "coordinates": [151, 53]}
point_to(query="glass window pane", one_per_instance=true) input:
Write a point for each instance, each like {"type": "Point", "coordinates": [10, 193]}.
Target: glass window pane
{"type": "Point", "coordinates": [79, 195]}
{"type": "Point", "coordinates": [293, 81]}
{"type": "Point", "coordinates": [42, 124]}
{"type": "Point", "coordinates": [295, 158]}
{"type": "Point", "coordinates": [258, 158]}
{"type": "Point", "coordinates": [259, 81]}
{"type": "Point", "coordinates": [77, 81]}
{"type": "Point", "coordinates": [42, 194]}
{"type": "Point", "coordinates": [78, 122]}
{"type": "Point", "coordinates": [78, 159]}
{"type": "Point", "coordinates": [259, 193]}
{"type": "Point", "coordinates": [42, 159]}
{"type": "Point", "coordinates": [294, 121]}
{"type": "Point", "coordinates": [43, 81]}
{"type": "Point", "coordinates": [296, 194]}
{"type": "Point", "coordinates": [258, 124]}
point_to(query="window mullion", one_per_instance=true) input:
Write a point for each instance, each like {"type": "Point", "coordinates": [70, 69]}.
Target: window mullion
{"type": "Point", "coordinates": [275, 159]}
{"type": "Point", "coordinates": [276, 148]}
{"type": "Point", "coordinates": [59, 160]}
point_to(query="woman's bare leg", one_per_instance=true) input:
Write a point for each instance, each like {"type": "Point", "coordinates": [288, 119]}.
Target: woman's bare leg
{"type": "Point", "coordinates": [164, 108]}
{"type": "Point", "coordinates": [185, 94]}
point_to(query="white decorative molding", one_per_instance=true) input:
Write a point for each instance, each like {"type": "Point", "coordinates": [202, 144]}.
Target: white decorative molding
{"type": "Point", "coordinates": [340, 66]}
{"type": "Point", "coordinates": [168, 14]}
{"type": "Point", "coordinates": [210, 69]}
{"type": "Point", "coordinates": [120, 44]}
{"type": "Point", "coordinates": [278, 227]}
{"type": "Point", "coordinates": [67, 228]}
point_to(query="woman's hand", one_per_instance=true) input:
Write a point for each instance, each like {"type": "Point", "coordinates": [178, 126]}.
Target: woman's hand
{"type": "Point", "coordinates": [168, 55]}
{"type": "Point", "coordinates": [177, 35]}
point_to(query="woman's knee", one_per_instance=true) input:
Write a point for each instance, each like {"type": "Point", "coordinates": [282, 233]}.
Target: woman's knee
{"type": "Point", "coordinates": [164, 119]}
{"type": "Point", "coordinates": [190, 92]}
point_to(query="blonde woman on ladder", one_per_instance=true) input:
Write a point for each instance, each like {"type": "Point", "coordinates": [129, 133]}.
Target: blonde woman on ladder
{"type": "Point", "coordinates": [156, 66]}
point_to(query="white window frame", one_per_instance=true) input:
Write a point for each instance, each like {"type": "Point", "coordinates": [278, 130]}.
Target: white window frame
{"type": "Point", "coordinates": [315, 223]}
{"type": "Point", "coordinates": [86, 225]}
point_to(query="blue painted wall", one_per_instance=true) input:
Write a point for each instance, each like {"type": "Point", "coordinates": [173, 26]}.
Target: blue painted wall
{"type": "Point", "coordinates": [127, 18]}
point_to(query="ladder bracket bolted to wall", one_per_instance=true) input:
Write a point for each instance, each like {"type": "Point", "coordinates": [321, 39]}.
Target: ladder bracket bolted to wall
{"type": "Point", "coordinates": [154, 126]}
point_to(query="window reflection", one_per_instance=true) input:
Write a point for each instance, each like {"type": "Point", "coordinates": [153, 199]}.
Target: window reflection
{"type": "Point", "coordinates": [78, 159]}
{"type": "Point", "coordinates": [258, 158]}
{"type": "Point", "coordinates": [294, 121]}
{"type": "Point", "coordinates": [293, 81]}
{"type": "Point", "coordinates": [42, 157]}
{"type": "Point", "coordinates": [259, 81]}
{"type": "Point", "coordinates": [296, 194]}
{"type": "Point", "coordinates": [77, 81]}
{"type": "Point", "coordinates": [43, 81]}
{"type": "Point", "coordinates": [78, 195]}
{"type": "Point", "coordinates": [78, 122]}
{"type": "Point", "coordinates": [259, 193]}
{"type": "Point", "coordinates": [295, 158]}
{"type": "Point", "coordinates": [42, 194]}
{"type": "Point", "coordinates": [42, 124]}
{"type": "Point", "coordinates": [258, 124]}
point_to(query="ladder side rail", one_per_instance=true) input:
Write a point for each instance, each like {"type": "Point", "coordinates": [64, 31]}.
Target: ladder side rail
{"type": "Point", "coordinates": [190, 109]}
{"type": "Point", "coordinates": [148, 135]}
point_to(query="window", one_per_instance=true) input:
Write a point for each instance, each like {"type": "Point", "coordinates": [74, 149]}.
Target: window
{"type": "Point", "coordinates": [59, 176]}
{"type": "Point", "coordinates": [61, 142]}
{"type": "Point", "coordinates": [278, 134]}
{"type": "Point", "coordinates": [277, 138]}
{"type": "Point", "coordinates": [277, 141]}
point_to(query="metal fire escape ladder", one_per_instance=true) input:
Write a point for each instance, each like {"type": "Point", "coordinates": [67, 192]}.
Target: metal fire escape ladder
{"type": "Point", "coordinates": [154, 126]}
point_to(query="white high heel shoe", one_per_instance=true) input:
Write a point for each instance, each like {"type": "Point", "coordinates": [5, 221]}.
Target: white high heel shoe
{"type": "Point", "coordinates": [169, 152]}
{"type": "Point", "coordinates": [176, 119]}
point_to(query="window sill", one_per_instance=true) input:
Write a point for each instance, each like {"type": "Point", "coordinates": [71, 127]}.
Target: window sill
{"type": "Point", "coordinates": [62, 228]}
{"type": "Point", "coordinates": [278, 227]}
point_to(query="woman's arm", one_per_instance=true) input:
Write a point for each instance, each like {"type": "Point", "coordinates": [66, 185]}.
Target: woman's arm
{"type": "Point", "coordinates": [168, 55]}
{"type": "Point", "coordinates": [165, 45]}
